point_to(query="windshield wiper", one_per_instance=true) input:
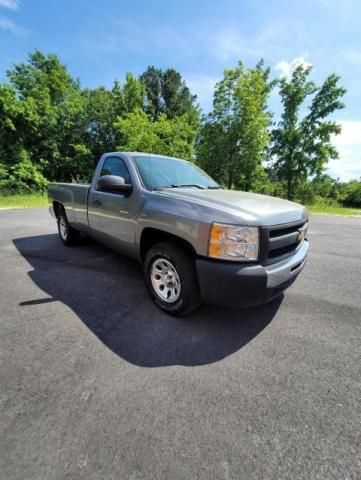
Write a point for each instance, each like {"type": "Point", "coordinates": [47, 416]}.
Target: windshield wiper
{"type": "Point", "coordinates": [190, 185]}
{"type": "Point", "coordinates": [180, 185]}
{"type": "Point", "coordinates": [214, 187]}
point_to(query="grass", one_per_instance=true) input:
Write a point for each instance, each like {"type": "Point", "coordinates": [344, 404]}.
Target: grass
{"type": "Point", "coordinates": [23, 200]}
{"type": "Point", "coordinates": [323, 207]}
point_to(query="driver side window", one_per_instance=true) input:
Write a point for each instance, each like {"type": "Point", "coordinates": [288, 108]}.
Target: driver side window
{"type": "Point", "coordinates": [116, 166]}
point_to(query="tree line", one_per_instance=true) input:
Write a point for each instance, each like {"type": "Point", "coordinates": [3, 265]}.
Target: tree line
{"type": "Point", "coordinates": [53, 129]}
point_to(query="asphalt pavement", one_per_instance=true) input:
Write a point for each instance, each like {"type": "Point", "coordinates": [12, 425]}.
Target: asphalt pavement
{"type": "Point", "coordinates": [97, 383]}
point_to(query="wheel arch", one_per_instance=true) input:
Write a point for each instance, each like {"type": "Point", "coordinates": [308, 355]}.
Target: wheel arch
{"type": "Point", "coordinates": [151, 236]}
{"type": "Point", "coordinates": [57, 207]}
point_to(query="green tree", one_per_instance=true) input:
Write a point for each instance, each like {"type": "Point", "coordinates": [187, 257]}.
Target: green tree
{"type": "Point", "coordinates": [163, 136]}
{"type": "Point", "coordinates": [23, 176]}
{"type": "Point", "coordinates": [177, 97]}
{"type": "Point", "coordinates": [325, 186]}
{"type": "Point", "coordinates": [351, 193]}
{"type": "Point", "coordinates": [16, 118]}
{"type": "Point", "coordinates": [151, 79]}
{"type": "Point", "coordinates": [302, 147]}
{"type": "Point", "coordinates": [133, 93]}
{"type": "Point", "coordinates": [233, 137]}
{"type": "Point", "coordinates": [54, 117]}
{"type": "Point", "coordinates": [102, 108]}
{"type": "Point", "coordinates": [19, 122]}
{"type": "Point", "coordinates": [167, 93]}
{"type": "Point", "coordinates": [42, 72]}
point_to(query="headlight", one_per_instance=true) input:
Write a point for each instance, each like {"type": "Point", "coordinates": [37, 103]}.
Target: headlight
{"type": "Point", "coordinates": [229, 242]}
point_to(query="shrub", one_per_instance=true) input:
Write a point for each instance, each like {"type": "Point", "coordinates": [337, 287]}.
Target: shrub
{"type": "Point", "coordinates": [305, 194]}
{"type": "Point", "coordinates": [22, 177]}
{"type": "Point", "coordinates": [351, 195]}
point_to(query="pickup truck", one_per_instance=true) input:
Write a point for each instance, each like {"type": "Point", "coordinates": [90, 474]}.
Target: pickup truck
{"type": "Point", "coordinates": [196, 240]}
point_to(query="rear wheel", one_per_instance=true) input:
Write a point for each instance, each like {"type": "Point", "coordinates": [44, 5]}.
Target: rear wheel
{"type": "Point", "coordinates": [171, 279]}
{"type": "Point", "coordinates": [68, 235]}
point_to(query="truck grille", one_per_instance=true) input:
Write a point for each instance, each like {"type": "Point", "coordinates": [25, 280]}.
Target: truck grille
{"type": "Point", "coordinates": [281, 241]}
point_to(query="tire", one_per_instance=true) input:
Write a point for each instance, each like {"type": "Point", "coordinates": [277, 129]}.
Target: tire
{"type": "Point", "coordinates": [167, 262]}
{"type": "Point", "coordinates": [68, 235]}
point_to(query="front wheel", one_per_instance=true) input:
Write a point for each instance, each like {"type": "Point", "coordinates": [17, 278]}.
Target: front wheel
{"type": "Point", "coordinates": [171, 279]}
{"type": "Point", "coordinates": [68, 234]}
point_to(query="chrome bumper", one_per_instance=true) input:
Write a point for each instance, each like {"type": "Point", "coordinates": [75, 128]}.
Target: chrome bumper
{"type": "Point", "coordinates": [285, 270]}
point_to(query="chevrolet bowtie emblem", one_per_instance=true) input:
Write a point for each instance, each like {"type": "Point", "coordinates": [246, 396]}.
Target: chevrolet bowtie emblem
{"type": "Point", "coordinates": [301, 234]}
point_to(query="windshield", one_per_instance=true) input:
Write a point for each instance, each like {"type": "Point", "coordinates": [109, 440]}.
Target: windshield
{"type": "Point", "coordinates": [162, 172]}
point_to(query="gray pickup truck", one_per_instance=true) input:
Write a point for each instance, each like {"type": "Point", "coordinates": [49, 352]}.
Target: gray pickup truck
{"type": "Point", "coordinates": [196, 240]}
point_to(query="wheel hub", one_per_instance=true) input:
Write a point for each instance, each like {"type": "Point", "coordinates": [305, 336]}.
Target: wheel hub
{"type": "Point", "coordinates": [165, 280]}
{"type": "Point", "coordinates": [63, 228]}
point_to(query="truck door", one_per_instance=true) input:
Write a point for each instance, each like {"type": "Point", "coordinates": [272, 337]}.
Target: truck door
{"type": "Point", "coordinates": [112, 216]}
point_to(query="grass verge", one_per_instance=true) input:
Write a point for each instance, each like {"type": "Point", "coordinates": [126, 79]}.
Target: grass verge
{"type": "Point", "coordinates": [23, 200]}
{"type": "Point", "coordinates": [325, 208]}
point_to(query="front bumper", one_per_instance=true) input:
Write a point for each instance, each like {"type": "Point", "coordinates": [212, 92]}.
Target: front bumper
{"type": "Point", "coordinates": [245, 285]}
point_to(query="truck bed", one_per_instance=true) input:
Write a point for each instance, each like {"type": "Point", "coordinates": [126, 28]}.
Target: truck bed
{"type": "Point", "coordinates": [74, 197]}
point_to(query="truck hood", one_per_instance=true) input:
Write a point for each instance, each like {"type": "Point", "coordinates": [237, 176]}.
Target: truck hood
{"type": "Point", "coordinates": [253, 208]}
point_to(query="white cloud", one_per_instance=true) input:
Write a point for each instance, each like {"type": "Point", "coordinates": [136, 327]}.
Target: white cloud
{"type": "Point", "coordinates": [286, 68]}
{"type": "Point", "coordinates": [11, 4]}
{"type": "Point", "coordinates": [348, 144]}
{"type": "Point", "coordinates": [10, 26]}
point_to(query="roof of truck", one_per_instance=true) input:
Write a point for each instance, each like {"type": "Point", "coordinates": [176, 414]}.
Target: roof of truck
{"type": "Point", "coordinates": [141, 153]}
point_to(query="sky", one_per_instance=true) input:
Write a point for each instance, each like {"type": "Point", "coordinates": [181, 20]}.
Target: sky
{"type": "Point", "coordinates": [102, 40]}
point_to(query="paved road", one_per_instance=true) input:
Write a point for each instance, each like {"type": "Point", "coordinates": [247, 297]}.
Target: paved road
{"type": "Point", "coordinates": [97, 383]}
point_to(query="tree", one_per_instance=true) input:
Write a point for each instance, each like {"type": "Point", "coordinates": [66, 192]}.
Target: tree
{"type": "Point", "coordinates": [177, 97]}
{"type": "Point", "coordinates": [351, 193]}
{"type": "Point", "coordinates": [23, 176]}
{"type": "Point", "coordinates": [55, 121]}
{"type": "Point", "coordinates": [102, 108]}
{"type": "Point", "coordinates": [16, 118]}
{"type": "Point", "coordinates": [233, 137]}
{"type": "Point", "coordinates": [18, 122]}
{"type": "Point", "coordinates": [167, 93]}
{"type": "Point", "coordinates": [325, 186]}
{"type": "Point", "coordinates": [163, 136]}
{"type": "Point", "coordinates": [303, 147]}
{"type": "Point", "coordinates": [51, 128]}
{"type": "Point", "coordinates": [42, 72]}
{"type": "Point", "coordinates": [151, 79]}
{"type": "Point", "coordinates": [133, 93]}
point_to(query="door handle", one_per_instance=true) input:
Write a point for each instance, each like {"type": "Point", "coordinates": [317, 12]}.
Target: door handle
{"type": "Point", "coordinates": [96, 202]}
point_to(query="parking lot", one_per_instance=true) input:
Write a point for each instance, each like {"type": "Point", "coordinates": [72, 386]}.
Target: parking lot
{"type": "Point", "coordinates": [97, 383]}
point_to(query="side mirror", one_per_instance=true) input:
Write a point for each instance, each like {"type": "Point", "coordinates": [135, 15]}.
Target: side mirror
{"type": "Point", "coordinates": [114, 184]}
